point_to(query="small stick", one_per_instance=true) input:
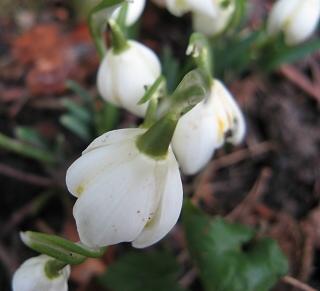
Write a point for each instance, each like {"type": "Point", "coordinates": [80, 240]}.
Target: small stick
{"type": "Point", "coordinates": [256, 191]}
{"type": "Point", "coordinates": [25, 177]}
{"type": "Point", "coordinates": [297, 284]}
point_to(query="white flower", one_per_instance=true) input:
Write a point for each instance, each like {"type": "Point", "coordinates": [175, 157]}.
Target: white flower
{"type": "Point", "coordinates": [123, 194]}
{"type": "Point", "coordinates": [297, 19]}
{"type": "Point", "coordinates": [122, 77]}
{"type": "Point", "coordinates": [207, 127]}
{"type": "Point", "coordinates": [180, 7]}
{"type": "Point", "coordinates": [31, 276]}
{"type": "Point", "coordinates": [135, 9]}
{"type": "Point", "coordinates": [213, 25]}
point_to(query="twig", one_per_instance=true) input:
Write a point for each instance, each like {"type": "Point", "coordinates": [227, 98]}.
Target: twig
{"type": "Point", "coordinates": [300, 81]}
{"type": "Point", "coordinates": [297, 284]}
{"type": "Point", "coordinates": [25, 177]}
{"type": "Point", "coordinates": [227, 161]}
{"type": "Point", "coordinates": [188, 278]}
{"type": "Point", "coordinates": [257, 190]}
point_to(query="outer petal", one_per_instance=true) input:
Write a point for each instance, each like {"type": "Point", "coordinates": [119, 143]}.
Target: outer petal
{"type": "Point", "coordinates": [116, 205]}
{"type": "Point", "coordinates": [83, 172]}
{"type": "Point", "coordinates": [194, 140]}
{"type": "Point", "coordinates": [30, 276]}
{"type": "Point", "coordinates": [213, 24]}
{"type": "Point", "coordinates": [232, 119]}
{"type": "Point", "coordinates": [114, 136]}
{"type": "Point", "coordinates": [122, 77]}
{"type": "Point", "coordinates": [177, 7]}
{"type": "Point", "coordinates": [168, 211]}
{"type": "Point", "coordinates": [303, 22]}
{"type": "Point", "coordinates": [280, 14]}
{"type": "Point", "coordinates": [135, 10]}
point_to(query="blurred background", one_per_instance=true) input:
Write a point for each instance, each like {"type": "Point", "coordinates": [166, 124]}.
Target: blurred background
{"type": "Point", "coordinates": [50, 111]}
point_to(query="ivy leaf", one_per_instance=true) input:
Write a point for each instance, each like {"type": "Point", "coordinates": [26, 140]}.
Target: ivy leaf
{"type": "Point", "coordinates": [157, 271]}
{"type": "Point", "coordinates": [228, 256]}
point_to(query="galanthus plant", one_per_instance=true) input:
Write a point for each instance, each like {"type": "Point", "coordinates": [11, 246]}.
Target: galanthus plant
{"type": "Point", "coordinates": [127, 184]}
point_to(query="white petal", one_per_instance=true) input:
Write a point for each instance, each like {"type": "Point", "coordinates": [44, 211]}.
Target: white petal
{"type": "Point", "coordinates": [114, 136]}
{"type": "Point", "coordinates": [233, 119]}
{"type": "Point", "coordinates": [135, 10]}
{"type": "Point", "coordinates": [168, 211]}
{"type": "Point", "coordinates": [178, 7]}
{"type": "Point", "coordinates": [280, 14]}
{"type": "Point", "coordinates": [303, 22]}
{"type": "Point", "coordinates": [194, 139]}
{"type": "Point", "coordinates": [207, 8]}
{"type": "Point", "coordinates": [213, 25]}
{"type": "Point", "coordinates": [123, 77]}
{"type": "Point", "coordinates": [89, 166]}
{"type": "Point", "coordinates": [116, 205]}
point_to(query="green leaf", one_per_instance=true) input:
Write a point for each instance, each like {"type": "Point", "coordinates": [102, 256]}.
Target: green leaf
{"type": "Point", "coordinates": [76, 126]}
{"type": "Point", "coordinates": [157, 271]}
{"type": "Point", "coordinates": [291, 54]}
{"type": "Point", "coordinates": [228, 256]}
{"type": "Point", "coordinates": [76, 110]}
{"type": "Point", "coordinates": [79, 90]}
{"type": "Point", "coordinates": [107, 118]}
{"type": "Point", "coordinates": [31, 136]}
{"type": "Point", "coordinates": [170, 68]}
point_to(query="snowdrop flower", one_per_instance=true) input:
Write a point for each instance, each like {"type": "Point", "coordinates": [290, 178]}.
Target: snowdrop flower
{"type": "Point", "coordinates": [207, 127]}
{"type": "Point", "coordinates": [135, 9]}
{"type": "Point", "coordinates": [32, 276]}
{"type": "Point", "coordinates": [123, 194]}
{"type": "Point", "coordinates": [297, 19]}
{"type": "Point", "coordinates": [213, 25]}
{"type": "Point", "coordinates": [180, 7]}
{"type": "Point", "coordinates": [122, 77]}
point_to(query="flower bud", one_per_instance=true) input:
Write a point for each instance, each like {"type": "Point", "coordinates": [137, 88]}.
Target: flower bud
{"type": "Point", "coordinates": [122, 77]}
{"type": "Point", "coordinates": [32, 276]}
{"type": "Point", "coordinates": [180, 7]}
{"type": "Point", "coordinates": [123, 194]}
{"type": "Point", "coordinates": [135, 9]}
{"type": "Point", "coordinates": [213, 25]}
{"type": "Point", "coordinates": [207, 127]}
{"type": "Point", "coordinates": [297, 19]}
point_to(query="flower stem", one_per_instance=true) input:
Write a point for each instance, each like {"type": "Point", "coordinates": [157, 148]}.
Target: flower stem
{"type": "Point", "coordinates": [199, 49]}
{"type": "Point", "coordinates": [53, 267]}
{"type": "Point", "coordinates": [119, 41]}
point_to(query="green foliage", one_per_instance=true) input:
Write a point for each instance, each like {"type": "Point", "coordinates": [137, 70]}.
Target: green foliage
{"type": "Point", "coordinates": [229, 256]}
{"type": "Point", "coordinates": [84, 119]}
{"type": "Point", "coordinates": [287, 54]}
{"type": "Point", "coordinates": [107, 118]}
{"type": "Point", "coordinates": [155, 271]}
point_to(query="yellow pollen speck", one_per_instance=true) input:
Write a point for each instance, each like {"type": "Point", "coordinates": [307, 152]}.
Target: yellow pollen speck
{"type": "Point", "coordinates": [221, 126]}
{"type": "Point", "coordinates": [79, 190]}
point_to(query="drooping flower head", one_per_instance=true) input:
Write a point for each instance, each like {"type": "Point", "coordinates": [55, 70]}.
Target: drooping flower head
{"type": "Point", "coordinates": [123, 194]}
{"type": "Point", "coordinates": [123, 76]}
{"type": "Point", "coordinates": [135, 9]}
{"type": "Point", "coordinates": [32, 276]}
{"type": "Point", "coordinates": [206, 127]}
{"type": "Point", "coordinates": [295, 18]}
